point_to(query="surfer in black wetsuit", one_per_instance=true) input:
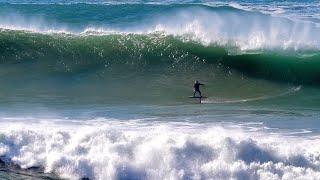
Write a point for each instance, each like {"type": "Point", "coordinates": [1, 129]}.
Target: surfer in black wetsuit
{"type": "Point", "coordinates": [196, 88]}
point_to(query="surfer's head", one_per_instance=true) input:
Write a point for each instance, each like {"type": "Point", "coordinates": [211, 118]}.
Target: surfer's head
{"type": "Point", "coordinates": [196, 81]}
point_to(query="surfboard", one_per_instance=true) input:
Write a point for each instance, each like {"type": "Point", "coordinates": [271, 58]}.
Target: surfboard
{"type": "Point", "coordinates": [198, 97]}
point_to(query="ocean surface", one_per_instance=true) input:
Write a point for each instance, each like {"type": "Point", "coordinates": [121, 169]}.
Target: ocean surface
{"type": "Point", "coordinates": [99, 89]}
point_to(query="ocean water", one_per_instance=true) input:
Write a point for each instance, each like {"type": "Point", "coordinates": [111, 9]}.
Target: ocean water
{"type": "Point", "coordinates": [99, 89]}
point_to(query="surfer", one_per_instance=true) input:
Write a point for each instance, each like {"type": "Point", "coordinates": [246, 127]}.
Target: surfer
{"type": "Point", "coordinates": [196, 88]}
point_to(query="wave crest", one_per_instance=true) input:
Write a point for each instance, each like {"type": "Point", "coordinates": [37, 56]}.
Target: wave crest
{"type": "Point", "coordinates": [222, 25]}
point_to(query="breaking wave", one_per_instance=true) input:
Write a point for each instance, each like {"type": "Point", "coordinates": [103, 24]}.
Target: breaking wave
{"type": "Point", "coordinates": [85, 67]}
{"type": "Point", "coordinates": [75, 53]}
{"type": "Point", "coordinates": [120, 150]}
{"type": "Point", "coordinates": [222, 25]}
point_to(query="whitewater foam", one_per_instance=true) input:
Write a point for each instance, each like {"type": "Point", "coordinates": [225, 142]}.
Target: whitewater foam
{"type": "Point", "coordinates": [123, 149]}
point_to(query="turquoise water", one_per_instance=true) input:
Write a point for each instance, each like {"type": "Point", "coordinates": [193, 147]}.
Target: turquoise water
{"type": "Point", "coordinates": [99, 89]}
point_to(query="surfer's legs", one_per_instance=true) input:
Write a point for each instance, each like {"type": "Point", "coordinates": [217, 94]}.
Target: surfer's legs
{"type": "Point", "coordinates": [194, 93]}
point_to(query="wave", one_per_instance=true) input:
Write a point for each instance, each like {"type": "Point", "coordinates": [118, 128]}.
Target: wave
{"type": "Point", "coordinates": [49, 55]}
{"type": "Point", "coordinates": [223, 25]}
{"type": "Point", "coordinates": [74, 54]}
{"type": "Point", "coordinates": [84, 68]}
{"type": "Point", "coordinates": [116, 150]}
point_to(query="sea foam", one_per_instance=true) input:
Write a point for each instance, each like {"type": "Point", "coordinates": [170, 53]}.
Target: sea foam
{"type": "Point", "coordinates": [113, 149]}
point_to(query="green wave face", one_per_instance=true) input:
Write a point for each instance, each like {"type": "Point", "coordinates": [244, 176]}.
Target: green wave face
{"type": "Point", "coordinates": [140, 68]}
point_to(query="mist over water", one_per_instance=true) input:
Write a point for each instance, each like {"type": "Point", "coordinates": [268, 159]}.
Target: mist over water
{"type": "Point", "coordinates": [99, 89]}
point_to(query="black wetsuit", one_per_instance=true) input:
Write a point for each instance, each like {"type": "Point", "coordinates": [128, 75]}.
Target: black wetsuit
{"type": "Point", "coordinates": [196, 88]}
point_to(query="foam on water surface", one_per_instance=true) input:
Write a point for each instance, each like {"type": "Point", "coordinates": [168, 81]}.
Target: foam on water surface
{"type": "Point", "coordinates": [114, 149]}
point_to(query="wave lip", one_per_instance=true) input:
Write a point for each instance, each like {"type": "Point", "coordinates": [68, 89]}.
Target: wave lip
{"type": "Point", "coordinates": [122, 150]}
{"type": "Point", "coordinates": [222, 25]}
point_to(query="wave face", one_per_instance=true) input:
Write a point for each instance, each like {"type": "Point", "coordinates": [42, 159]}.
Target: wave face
{"type": "Point", "coordinates": [67, 65]}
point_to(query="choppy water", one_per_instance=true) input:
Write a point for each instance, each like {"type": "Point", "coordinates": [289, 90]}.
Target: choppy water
{"type": "Point", "coordinates": [98, 89]}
